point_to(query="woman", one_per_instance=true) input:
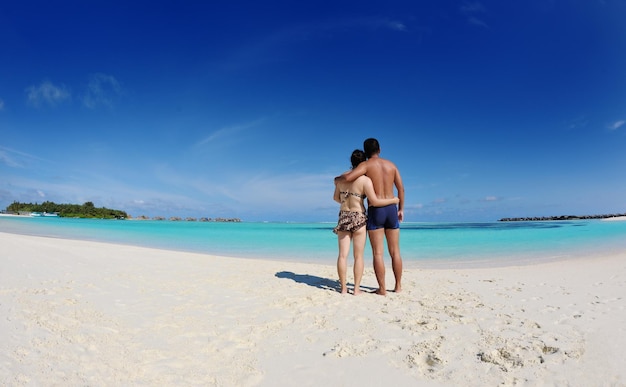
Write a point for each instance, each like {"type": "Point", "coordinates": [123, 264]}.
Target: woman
{"type": "Point", "coordinates": [352, 220]}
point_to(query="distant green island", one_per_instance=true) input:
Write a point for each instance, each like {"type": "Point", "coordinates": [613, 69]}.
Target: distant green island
{"type": "Point", "coordinates": [90, 211]}
{"type": "Point", "coordinates": [561, 217]}
{"type": "Point", "coordinates": [86, 210]}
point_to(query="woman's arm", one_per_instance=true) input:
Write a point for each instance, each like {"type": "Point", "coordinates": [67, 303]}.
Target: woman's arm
{"type": "Point", "coordinates": [336, 196]}
{"type": "Point", "coordinates": [372, 199]}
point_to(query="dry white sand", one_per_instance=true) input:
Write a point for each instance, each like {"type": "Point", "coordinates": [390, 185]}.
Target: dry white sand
{"type": "Point", "coordinates": [83, 313]}
{"type": "Point", "coordinates": [615, 218]}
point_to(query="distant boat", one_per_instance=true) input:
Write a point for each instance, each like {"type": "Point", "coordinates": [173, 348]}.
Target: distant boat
{"type": "Point", "coordinates": [46, 214]}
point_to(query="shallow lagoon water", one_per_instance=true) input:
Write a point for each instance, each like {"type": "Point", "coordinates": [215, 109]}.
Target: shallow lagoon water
{"type": "Point", "coordinates": [422, 244]}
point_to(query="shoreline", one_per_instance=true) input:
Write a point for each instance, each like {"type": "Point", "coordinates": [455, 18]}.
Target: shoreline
{"type": "Point", "coordinates": [615, 219]}
{"type": "Point", "coordinates": [535, 219]}
{"type": "Point", "coordinates": [78, 312]}
{"type": "Point", "coordinates": [470, 260]}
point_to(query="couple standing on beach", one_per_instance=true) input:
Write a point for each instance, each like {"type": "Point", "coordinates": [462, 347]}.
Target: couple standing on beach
{"type": "Point", "coordinates": [373, 177]}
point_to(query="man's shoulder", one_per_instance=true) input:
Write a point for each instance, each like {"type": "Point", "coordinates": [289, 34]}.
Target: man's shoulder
{"type": "Point", "coordinates": [385, 162]}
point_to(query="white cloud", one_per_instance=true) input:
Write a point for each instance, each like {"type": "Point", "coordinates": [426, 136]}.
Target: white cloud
{"type": "Point", "coordinates": [7, 160]}
{"type": "Point", "coordinates": [228, 131]}
{"type": "Point", "coordinates": [396, 25]}
{"type": "Point", "coordinates": [491, 198]}
{"type": "Point", "coordinates": [275, 46]}
{"type": "Point", "coordinates": [342, 25]}
{"type": "Point", "coordinates": [175, 190]}
{"type": "Point", "coordinates": [252, 192]}
{"type": "Point", "coordinates": [617, 124]}
{"type": "Point", "coordinates": [470, 10]}
{"type": "Point", "coordinates": [102, 89]}
{"type": "Point", "coordinates": [16, 159]}
{"type": "Point", "coordinates": [47, 93]}
{"type": "Point", "coordinates": [579, 122]}
{"type": "Point", "coordinates": [477, 22]}
{"type": "Point", "coordinates": [359, 23]}
{"type": "Point", "coordinates": [288, 189]}
{"type": "Point", "coordinates": [473, 7]}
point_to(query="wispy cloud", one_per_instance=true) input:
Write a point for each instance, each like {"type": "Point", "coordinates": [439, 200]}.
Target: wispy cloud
{"type": "Point", "coordinates": [102, 89]}
{"type": "Point", "coordinates": [6, 159]}
{"type": "Point", "coordinates": [477, 22]}
{"type": "Point", "coordinates": [228, 131]}
{"type": "Point", "coordinates": [250, 192]}
{"type": "Point", "coordinates": [579, 122]}
{"type": "Point", "coordinates": [280, 187]}
{"type": "Point", "coordinates": [491, 199]}
{"type": "Point", "coordinates": [272, 47]}
{"type": "Point", "coordinates": [14, 158]}
{"type": "Point", "coordinates": [396, 25]}
{"type": "Point", "coordinates": [47, 93]}
{"type": "Point", "coordinates": [346, 25]}
{"type": "Point", "coordinates": [617, 124]}
{"type": "Point", "coordinates": [471, 10]}
{"type": "Point", "coordinates": [473, 7]}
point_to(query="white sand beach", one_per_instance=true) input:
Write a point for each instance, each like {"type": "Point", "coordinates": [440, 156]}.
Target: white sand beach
{"type": "Point", "coordinates": [615, 219]}
{"type": "Point", "coordinates": [85, 313]}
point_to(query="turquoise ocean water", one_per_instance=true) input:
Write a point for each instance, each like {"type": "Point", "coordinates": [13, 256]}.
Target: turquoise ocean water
{"type": "Point", "coordinates": [422, 244]}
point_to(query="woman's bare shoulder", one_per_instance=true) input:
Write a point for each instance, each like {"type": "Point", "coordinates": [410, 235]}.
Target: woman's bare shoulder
{"type": "Point", "coordinates": [362, 179]}
{"type": "Point", "coordinates": [361, 183]}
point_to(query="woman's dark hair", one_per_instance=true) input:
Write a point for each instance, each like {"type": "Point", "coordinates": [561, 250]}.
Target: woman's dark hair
{"type": "Point", "coordinates": [358, 156]}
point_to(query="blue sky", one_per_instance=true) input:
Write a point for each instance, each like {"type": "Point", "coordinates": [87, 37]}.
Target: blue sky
{"type": "Point", "coordinates": [249, 109]}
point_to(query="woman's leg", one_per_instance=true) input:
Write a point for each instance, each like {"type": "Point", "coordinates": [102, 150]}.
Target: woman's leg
{"type": "Point", "coordinates": [342, 260]}
{"type": "Point", "coordinates": [358, 245]}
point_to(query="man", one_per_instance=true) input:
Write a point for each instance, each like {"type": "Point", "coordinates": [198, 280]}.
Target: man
{"type": "Point", "coordinates": [382, 222]}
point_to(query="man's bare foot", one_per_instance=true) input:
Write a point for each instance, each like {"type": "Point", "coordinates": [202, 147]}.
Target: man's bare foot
{"type": "Point", "coordinates": [380, 292]}
{"type": "Point", "coordinates": [344, 290]}
{"type": "Point", "coordinates": [397, 289]}
{"type": "Point", "coordinates": [357, 291]}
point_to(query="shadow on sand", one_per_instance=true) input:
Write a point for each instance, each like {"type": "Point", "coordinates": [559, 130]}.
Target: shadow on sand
{"type": "Point", "coordinates": [317, 282]}
{"type": "Point", "coordinates": [311, 280]}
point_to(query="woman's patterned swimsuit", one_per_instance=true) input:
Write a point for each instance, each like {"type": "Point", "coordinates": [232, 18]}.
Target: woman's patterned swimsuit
{"type": "Point", "coordinates": [350, 221]}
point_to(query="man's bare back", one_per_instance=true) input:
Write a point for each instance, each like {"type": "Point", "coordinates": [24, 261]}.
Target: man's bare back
{"type": "Point", "coordinates": [385, 177]}
{"type": "Point", "coordinates": [383, 174]}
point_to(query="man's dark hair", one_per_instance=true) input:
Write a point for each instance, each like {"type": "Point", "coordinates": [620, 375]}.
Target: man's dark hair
{"type": "Point", "coordinates": [358, 156]}
{"type": "Point", "coordinates": [371, 147]}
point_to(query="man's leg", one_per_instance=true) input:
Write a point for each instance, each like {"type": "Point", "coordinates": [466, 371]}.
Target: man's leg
{"type": "Point", "coordinates": [393, 243]}
{"type": "Point", "coordinates": [377, 239]}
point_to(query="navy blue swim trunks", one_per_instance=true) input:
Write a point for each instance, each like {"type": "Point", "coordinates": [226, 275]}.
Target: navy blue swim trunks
{"type": "Point", "coordinates": [382, 217]}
